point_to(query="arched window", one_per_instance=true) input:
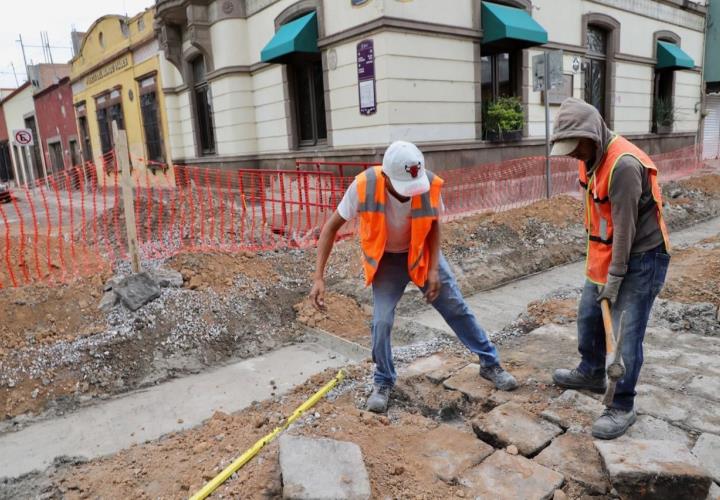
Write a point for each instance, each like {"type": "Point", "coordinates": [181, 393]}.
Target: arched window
{"type": "Point", "coordinates": [205, 129]}
{"type": "Point", "coordinates": [601, 35]}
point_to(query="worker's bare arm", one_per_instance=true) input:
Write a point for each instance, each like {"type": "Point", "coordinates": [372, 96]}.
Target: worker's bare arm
{"type": "Point", "coordinates": [324, 247]}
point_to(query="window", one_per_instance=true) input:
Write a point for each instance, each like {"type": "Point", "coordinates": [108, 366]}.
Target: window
{"type": "Point", "coordinates": [203, 108]}
{"type": "Point", "coordinates": [596, 67]}
{"type": "Point", "coordinates": [109, 109]}
{"type": "Point", "coordinates": [56, 157]}
{"type": "Point", "coordinates": [6, 170]}
{"type": "Point", "coordinates": [151, 119]}
{"type": "Point", "coordinates": [498, 78]}
{"type": "Point", "coordinates": [309, 96]}
{"type": "Point", "coordinates": [81, 111]}
{"type": "Point", "coordinates": [74, 153]}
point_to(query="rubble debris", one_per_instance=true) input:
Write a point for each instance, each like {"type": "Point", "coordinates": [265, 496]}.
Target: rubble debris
{"type": "Point", "coordinates": [167, 278]}
{"type": "Point", "coordinates": [137, 290]}
{"type": "Point", "coordinates": [468, 381]}
{"type": "Point", "coordinates": [109, 300]}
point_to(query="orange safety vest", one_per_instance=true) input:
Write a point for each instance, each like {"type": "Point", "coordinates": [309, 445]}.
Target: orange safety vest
{"type": "Point", "coordinates": [598, 210]}
{"type": "Point", "coordinates": [424, 210]}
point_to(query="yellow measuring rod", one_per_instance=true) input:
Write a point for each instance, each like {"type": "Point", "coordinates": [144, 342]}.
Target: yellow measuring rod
{"type": "Point", "coordinates": [231, 469]}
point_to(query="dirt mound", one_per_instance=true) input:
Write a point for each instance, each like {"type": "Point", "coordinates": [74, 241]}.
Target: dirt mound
{"type": "Point", "coordinates": [218, 270]}
{"type": "Point", "coordinates": [343, 317]}
{"type": "Point", "coordinates": [694, 274]}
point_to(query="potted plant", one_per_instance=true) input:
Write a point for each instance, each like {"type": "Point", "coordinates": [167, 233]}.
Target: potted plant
{"type": "Point", "coordinates": [504, 120]}
{"type": "Point", "coordinates": [664, 115]}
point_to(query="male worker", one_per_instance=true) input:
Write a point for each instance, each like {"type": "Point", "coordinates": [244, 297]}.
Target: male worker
{"type": "Point", "coordinates": [627, 254]}
{"type": "Point", "coordinates": [399, 205]}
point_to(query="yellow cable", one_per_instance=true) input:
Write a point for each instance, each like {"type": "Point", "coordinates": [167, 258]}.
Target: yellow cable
{"type": "Point", "coordinates": [231, 469]}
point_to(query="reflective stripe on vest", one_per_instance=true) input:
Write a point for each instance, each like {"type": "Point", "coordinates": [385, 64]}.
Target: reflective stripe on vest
{"type": "Point", "coordinates": [598, 208]}
{"type": "Point", "coordinates": [424, 209]}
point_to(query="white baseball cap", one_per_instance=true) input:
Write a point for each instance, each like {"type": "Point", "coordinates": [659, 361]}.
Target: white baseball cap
{"type": "Point", "coordinates": [564, 147]}
{"type": "Point", "coordinates": [404, 164]}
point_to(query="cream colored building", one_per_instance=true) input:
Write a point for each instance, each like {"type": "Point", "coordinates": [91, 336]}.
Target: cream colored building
{"type": "Point", "coordinates": [434, 63]}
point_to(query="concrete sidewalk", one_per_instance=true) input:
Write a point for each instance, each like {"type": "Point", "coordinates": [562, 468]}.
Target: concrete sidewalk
{"type": "Point", "coordinates": [147, 414]}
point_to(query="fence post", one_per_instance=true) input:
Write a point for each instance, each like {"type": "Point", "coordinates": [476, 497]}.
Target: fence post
{"type": "Point", "coordinates": [123, 160]}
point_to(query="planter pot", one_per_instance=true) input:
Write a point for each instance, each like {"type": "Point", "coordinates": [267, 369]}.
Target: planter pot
{"type": "Point", "coordinates": [510, 136]}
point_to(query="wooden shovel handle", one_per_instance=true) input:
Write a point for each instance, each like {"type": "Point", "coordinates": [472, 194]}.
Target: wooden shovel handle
{"type": "Point", "coordinates": [607, 321]}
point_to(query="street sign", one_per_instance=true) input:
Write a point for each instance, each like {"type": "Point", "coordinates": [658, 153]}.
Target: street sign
{"type": "Point", "coordinates": [23, 137]}
{"type": "Point", "coordinates": [555, 69]}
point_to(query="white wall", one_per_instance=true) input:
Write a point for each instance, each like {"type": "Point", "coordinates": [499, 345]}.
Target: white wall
{"type": "Point", "coordinates": [234, 115]}
{"type": "Point", "coordinates": [271, 123]}
{"type": "Point", "coordinates": [180, 125]}
{"type": "Point", "coordinates": [688, 88]}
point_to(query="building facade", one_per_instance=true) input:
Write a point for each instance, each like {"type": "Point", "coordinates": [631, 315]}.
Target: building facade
{"type": "Point", "coordinates": [57, 126]}
{"type": "Point", "coordinates": [264, 82]}
{"type": "Point", "coordinates": [115, 78]}
{"type": "Point", "coordinates": [711, 73]}
{"type": "Point", "coordinates": [6, 168]}
{"type": "Point", "coordinates": [19, 110]}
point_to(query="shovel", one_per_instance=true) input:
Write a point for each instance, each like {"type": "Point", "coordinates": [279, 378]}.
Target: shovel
{"type": "Point", "coordinates": [614, 366]}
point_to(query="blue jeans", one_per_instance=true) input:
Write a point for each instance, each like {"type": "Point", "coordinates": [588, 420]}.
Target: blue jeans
{"type": "Point", "coordinates": [644, 280]}
{"type": "Point", "coordinates": [389, 285]}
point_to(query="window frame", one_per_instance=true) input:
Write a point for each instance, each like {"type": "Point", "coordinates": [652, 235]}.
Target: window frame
{"type": "Point", "coordinates": [671, 37]}
{"type": "Point", "coordinates": [197, 88]}
{"type": "Point", "coordinates": [612, 28]}
{"type": "Point", "coordinates": [144, 90]}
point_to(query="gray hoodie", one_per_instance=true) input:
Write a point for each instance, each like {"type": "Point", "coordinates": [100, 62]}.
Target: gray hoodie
{"type": "Point", "coordinates": [633, 232]}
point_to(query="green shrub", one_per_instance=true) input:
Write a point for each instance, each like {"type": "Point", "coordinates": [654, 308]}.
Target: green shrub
{"type": "Point", "coordinates": [664, 112]}
{"type": "Point", "coordinates": [504, 115]}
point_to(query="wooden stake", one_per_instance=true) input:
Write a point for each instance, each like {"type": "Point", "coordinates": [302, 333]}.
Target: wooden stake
{"type": "Point", "coordinates": [122, 154]}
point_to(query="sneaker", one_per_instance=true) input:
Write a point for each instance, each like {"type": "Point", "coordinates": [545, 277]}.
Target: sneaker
{"type": "Point", "coordinates": [613, 423]}
{"type": "Point", "coordinates": [502, 379]}
{"type": "Point", "coordinates": [378, 400]}
{"type": "Point", "coordinates": [573, 379]}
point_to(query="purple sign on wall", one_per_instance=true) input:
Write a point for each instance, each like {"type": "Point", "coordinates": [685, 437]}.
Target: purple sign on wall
{"type": "Point", "coordinates": [366, 77]}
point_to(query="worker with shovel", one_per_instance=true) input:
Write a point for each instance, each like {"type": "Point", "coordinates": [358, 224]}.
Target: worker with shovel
{"type": "Point", "coordinates": [399, 205]}
{"type": "Point", "coordinates": [627, 260]}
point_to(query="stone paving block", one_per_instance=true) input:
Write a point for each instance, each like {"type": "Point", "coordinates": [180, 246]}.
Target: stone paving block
{"type": "Point", "coordinates": [706, 386]}
{"type": "Point", "coordinates": [504, 476]}
{"type": "Point", "coordinates": [167, 278]}
{"type": "Point", "coordinates": [707, 451]}
{"type": "Point", "coordinates": [512, 424]}
{"type": "Point", "coordinates": [137, 290]}
{"type": "Point", "coordinates": [449, 451]}
{"type": "Point", "coordinates": [653, 469]}
{"type": "Point", "coordinates": [469, 382]}
{"type": "Point", "coordinates": [573, 409]}
{"type": "Point", "coordinates": [322, 469]}
{"type": "Point", "coordinates": [575, 457]}
{"type": "Point", "coordinates": [649, 427]}
{"type": "Point", "coordinates": [437, 368]}
{"type": "Point", "coordinates": [698, 414]}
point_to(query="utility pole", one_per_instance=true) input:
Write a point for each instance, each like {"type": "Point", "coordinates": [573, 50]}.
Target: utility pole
{"type": "Point", "coordinates": [15, 74]}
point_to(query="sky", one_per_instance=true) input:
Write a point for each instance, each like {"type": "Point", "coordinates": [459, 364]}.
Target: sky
{"type": "Point", "coordinates": [57, 17]}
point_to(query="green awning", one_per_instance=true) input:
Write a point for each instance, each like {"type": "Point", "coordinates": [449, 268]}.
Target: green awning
{"type": "Point", "coordinates": [671, 56]}
{"type": "Point", "coordinates": [298, 36]}
{"type": "Point", "coordinates": [508, 28]}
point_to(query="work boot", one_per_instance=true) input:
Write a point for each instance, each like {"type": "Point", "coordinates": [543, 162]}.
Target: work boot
{"type": "Point", "coordinates": [502, 379]}
{"type": "Point", "coordinates": [613, 423]}
{"type": "Point", "coordinates": [573, 379]}
{"type": "Point", "coordinates": [378, 400]}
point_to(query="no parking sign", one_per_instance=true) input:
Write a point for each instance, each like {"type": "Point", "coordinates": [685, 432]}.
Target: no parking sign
{"type": "Point", "coordinates": [23, 137]}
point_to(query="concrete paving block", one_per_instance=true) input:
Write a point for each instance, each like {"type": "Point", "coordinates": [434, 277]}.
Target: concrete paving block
{"type": "Point", "coordinates": [649, 427]}
{"type": "Point", "coordinates": [707, 451]}
{"type": "Point", "coordinates": [437, 368]}
{"type": "Point", "coordinates": [653, 469]}
{"type": "Point", "coordinates": [449, 451]}
{"type": "Point", "coordinates": [322, 469]}
{"type": "Point", "coordinates": [506, 476]}
{"type": "Point", "coordinates": [167, 278]}
{"type": "Point", "coordinates": [512, 424]}
{"type": "Point", "coordinates": [573, 409]}
{"type": "Point", "coordinates": [137, 290]}
{"type": "Point", "coordinates": [575, 457]}
{"type": "Point", "coordinates": [469, 382]}
{"type": "Point", "coordinates": [109, 300]}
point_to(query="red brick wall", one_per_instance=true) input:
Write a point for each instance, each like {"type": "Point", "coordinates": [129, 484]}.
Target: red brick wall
{"type": "Point", "coordinates": [55, 115]}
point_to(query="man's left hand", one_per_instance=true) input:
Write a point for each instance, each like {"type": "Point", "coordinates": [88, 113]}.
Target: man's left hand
{"type": "Point", "coordinates": [610, 290]}
{"type": "Point", "coordinates": [433, 286]}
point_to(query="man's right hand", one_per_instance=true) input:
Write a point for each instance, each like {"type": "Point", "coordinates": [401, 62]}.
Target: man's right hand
{"type": "Point", "coordinates": [317, 294]}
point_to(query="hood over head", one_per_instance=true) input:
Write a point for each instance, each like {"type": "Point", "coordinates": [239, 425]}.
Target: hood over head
{"type": "Point", "coordinates": [577, 119]}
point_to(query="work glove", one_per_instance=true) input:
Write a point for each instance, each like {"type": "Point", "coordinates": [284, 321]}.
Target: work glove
{"type": "Point", "coordinates": [610, 290]}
